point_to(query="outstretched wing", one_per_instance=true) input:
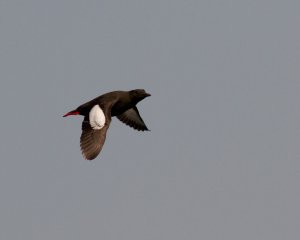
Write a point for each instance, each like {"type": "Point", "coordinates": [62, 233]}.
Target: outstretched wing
{"type": "Point", "coordinates": [94, 128]}
{"type": "Point", "coordinates": [133, 119]}
{"type": "Point", "coordinates": [92, 140]}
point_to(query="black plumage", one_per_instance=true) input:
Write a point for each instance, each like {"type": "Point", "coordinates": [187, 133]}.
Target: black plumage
{"type": "Point", "coordinates": [121, 104]}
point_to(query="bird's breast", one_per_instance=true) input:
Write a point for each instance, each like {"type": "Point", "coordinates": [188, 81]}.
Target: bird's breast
{"type": "Point", "coordinates": [119, 108]}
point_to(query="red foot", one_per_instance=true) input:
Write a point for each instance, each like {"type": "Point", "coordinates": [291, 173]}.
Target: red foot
{"type": "Point", "coordinates": [71, 113]}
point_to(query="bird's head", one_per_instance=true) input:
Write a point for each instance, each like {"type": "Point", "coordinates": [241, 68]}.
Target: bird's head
{"type": "Point", "coordinates": [138, 94]}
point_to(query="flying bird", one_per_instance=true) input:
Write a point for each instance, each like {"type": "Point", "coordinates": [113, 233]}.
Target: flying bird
{"type": "Point", "coordinates": [97, 117]}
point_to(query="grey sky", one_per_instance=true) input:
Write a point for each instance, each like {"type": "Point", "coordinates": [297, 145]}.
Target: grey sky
{"type": "Point", "coordinates": [222, 158]}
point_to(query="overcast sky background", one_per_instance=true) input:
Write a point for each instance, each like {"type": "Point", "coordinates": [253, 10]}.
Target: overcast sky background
{"type": "Point", "coordinates": [222, 158]}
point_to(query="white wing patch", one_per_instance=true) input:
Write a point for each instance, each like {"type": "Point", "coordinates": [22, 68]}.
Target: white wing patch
{"type": "Point", "coordinates": [97, 117]}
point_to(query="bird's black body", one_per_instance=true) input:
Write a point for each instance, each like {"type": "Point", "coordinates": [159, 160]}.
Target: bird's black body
{"type": "Point", "coordinates": [122, 101]}
{"type": "Point", "coordinates": [121, 104]}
